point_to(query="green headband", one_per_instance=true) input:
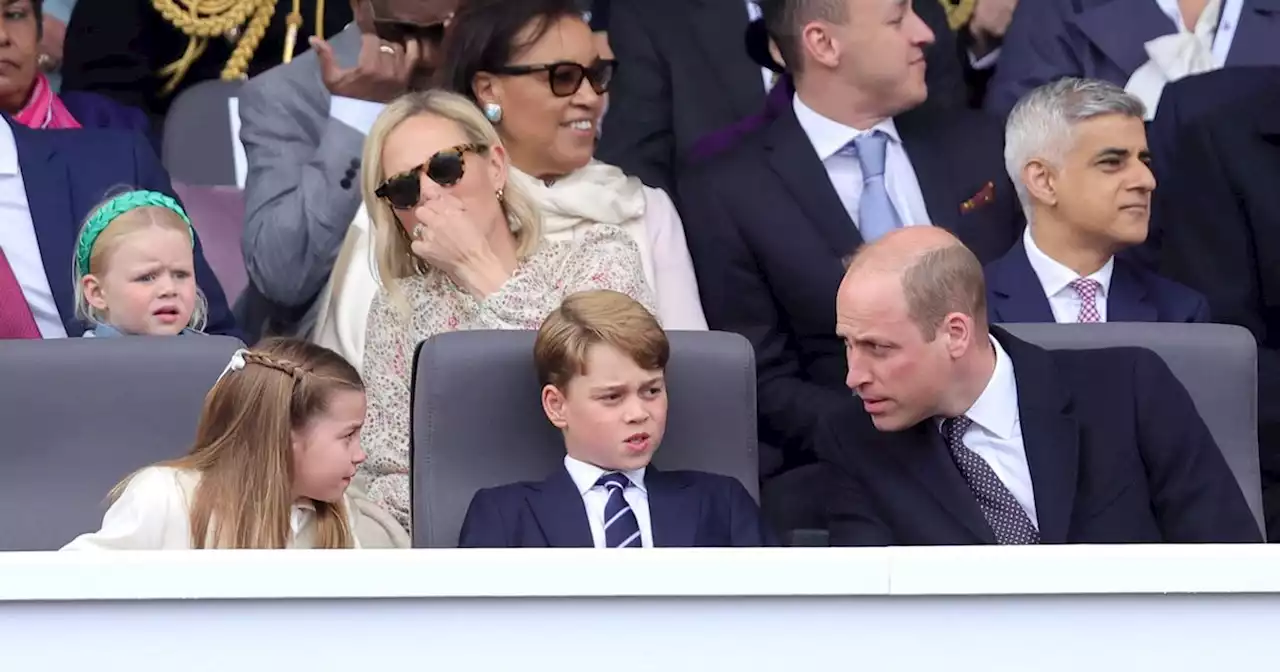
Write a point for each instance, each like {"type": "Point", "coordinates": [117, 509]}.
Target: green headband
{"type": "Point", "coordinates": [109, 211]}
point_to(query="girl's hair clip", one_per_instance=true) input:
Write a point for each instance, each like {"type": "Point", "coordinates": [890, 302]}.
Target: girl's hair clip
{"type": "Point", "coordinates": [236, 364]}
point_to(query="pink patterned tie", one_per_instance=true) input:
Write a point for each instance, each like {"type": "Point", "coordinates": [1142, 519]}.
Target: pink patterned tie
{"type": "Point", "coordinates": [1088, 289]}
{"type": "Point", "coordinates": [16, 320]}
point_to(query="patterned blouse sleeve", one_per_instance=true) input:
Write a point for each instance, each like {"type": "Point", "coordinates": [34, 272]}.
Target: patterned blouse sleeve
{"type": "Point", "coordinates": [388, 358]}
{"type": "Point", "coordinates": [605, 258]}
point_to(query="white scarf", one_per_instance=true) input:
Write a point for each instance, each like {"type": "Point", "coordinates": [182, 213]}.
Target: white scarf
{"type": "Point", "coordinates": [1175, 56]}
{"type": "Point", "coordinates": [597, 193]}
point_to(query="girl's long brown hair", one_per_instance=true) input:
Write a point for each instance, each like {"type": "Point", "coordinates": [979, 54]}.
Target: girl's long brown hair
{"type": "Point", "coordinates": [243, 450]}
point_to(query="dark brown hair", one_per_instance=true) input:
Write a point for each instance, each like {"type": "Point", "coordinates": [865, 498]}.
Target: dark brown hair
{"type": "Point", "coordinates": [485, 35]}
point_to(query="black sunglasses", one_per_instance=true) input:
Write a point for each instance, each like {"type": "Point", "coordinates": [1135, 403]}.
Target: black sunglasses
{"type": "Point", "coordinates": [446, 167]}
{"type": "Point", "coordinates": [566, 77]}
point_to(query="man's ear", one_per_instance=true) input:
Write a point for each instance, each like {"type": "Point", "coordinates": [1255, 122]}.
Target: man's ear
{"type": "Point", "coordinates": [1040, 180]}
{"type": "Point", "coordinates": [553, 402]}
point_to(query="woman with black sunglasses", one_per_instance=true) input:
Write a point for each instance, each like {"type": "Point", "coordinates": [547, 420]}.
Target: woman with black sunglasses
{"type": "Point", "coordinates": [457, 246]}
{"type": "Point", "coordinates": [534, 68]}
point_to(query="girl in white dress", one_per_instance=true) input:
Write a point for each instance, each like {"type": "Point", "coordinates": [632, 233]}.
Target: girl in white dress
{"type": "Point", "coordinates": [276, 449]}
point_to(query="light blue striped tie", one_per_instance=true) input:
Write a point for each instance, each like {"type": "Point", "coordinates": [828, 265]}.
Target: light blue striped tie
{"type": "Point", "coordinates": [876, 215]}
{"type": "Point", "coordinates": [621, 528]}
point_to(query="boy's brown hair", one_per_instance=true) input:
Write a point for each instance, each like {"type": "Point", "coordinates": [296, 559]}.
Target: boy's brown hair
{"type": "Point", "coordinates": [587, 318]}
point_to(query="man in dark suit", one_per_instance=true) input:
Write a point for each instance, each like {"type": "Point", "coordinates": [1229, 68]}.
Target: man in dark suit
{"type": "Point", "coordinates": [1220, 211]}
{"type": "Point", "coordinates": [1182, 104]}
{"type": "Point", "coordinates": [601, 359]}
{"type": "Point", "coordinates": [855, 152]}
{"type": "Point", "coordinates": [685, 73]}
{"type": "Point", "coordinates": [1076, 151]}
{"type": "Point", "coordinates": [52, 181]}
{"type": "Point", "coordinates": [967, 435]}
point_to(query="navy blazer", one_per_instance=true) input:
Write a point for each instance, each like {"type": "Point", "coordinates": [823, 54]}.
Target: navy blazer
{"type": "Point", "coordinates": [1015, 294]}
{"type": "Point", "coordinates": [1116, 449]}
{"type": "Point", "coordinates": [686, 508]}
{"type": "Point", "coordinates": [66, 174]}
{"type": "Point", "coordinates": [769, 239]}
{"type": "Point", "coordinates": [1105, 39]}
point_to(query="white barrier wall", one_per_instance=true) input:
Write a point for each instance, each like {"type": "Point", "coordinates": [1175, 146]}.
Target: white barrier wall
{"type": "Point", "coordinates": [1044, 608]}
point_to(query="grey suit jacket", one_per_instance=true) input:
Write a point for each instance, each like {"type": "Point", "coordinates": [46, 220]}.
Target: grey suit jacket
{"type": "Point", "coordinates": [303, 188]}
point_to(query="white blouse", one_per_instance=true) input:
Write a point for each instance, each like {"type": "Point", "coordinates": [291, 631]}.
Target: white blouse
{"type": "Point", "coordinates": [153, 513]}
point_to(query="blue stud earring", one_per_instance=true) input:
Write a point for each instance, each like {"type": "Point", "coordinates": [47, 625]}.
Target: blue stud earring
{"type": "Point", "coordinates": [493, 112]}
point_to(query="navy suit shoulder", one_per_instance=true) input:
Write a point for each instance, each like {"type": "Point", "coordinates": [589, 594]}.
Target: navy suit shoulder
{"type": "Point", "coordinates": [1175, 302]}
{"type": "Point", "coordinates": [687, 508]}
{"type": "Point", "coordinates": [1015, 294]}
{"type": "Point", "coordinates": [485, 525]}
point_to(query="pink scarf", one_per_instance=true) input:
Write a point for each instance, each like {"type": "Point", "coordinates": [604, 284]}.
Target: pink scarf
{"type": "Point", "coordinates": [44, 109]}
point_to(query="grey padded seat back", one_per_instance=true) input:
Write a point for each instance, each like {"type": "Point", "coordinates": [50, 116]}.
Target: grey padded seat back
{"type": "Point", "coordinates": [478, 420]}
{"type": "Point", "coordinates": [1217, 363]}
{"type": "Point", "coordinates": [198, 146]}
{"type": "Point", "coordinates": [79, 414]}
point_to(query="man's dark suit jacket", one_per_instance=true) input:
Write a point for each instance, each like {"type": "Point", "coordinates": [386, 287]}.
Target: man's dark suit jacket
{"type": "Point", "coordinates": [685, 73]}
{"type": "Point", "coordinates": [1182, 104]}
{"type": "Point", "coordinates": [1116, 449]}
{"type": "Point", "coordinates": [1014, 294]}
{"type": "Point", "coordinates": [686, 508]}
{"type": "Point", "coordinates": [769, 239]}
{"type": "Point", "coordinates": [67, 174]}
{"type": "Point", "coordinates": [1221, 218]}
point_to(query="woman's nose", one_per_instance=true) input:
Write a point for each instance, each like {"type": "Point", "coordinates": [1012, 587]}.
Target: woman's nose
{"type": "Point", "coordinates": [428, 189]}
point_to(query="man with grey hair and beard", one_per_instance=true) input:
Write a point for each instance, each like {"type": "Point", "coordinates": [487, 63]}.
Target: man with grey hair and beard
{"type": "Point", "coordinates": [967, 435]}
{"type": "Point", "coordinates": [1076, 151]}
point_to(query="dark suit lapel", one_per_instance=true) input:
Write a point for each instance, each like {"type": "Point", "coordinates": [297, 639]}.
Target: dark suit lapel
{"type": "Point", "coordinates": [925, 457]}
{"type": "Point", "coordinates": [1255, 40]}
{"type": "Point", "coordinates": [1050, 436]}
{"type": "Point", "coordinates": [561, 514]}
{"type": "Point", "coordinates": [718, 27]}
{"type": "Point", "coordinates": [1120, 29]}
{"type": "Point", "coordinates": [1015, 289]}
{"type": "Point", "coordinates": [792, 158]}
{"type": "Point", "coordinates": [674, 510]}
{"type": "Point", "coordinates": [929, 151]}
{"type": "Point", "coordinates": [48, 184]}
{"type": "Point", "coordinates": [1128, 301]}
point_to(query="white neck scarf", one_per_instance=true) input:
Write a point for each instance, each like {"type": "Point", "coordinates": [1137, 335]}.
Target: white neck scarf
{"type": "Point", "coordinates": [1175, 56]}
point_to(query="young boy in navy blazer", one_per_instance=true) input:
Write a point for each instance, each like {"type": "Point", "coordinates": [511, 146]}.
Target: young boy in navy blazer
{"type": "Point", "coordinates": [600, 359]}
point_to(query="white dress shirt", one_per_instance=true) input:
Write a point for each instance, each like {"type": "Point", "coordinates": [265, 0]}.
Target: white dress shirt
{"type": "Point", "coordinates": [153, 513]}
{"type": "Point", "coordinates": [1056, 280]}
{"type": "Point", "coordinates": [595, 497]}
{"type": "Point", "coordinates": [355, 113]}
{"type": "Point", "coordinates": [829, 137]}
{"type": "Point", "coordinates": [19, 242]}
{"type": "Point", "coordinates": [996, 433]}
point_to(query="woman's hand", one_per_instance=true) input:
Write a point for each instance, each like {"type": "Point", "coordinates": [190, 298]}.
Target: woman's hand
{"type": "Point", "coordinates": [448, 238]}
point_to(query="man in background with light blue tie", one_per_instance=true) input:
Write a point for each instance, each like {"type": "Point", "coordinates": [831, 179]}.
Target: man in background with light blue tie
{"type": "Point", "coordinates": [860, 151]}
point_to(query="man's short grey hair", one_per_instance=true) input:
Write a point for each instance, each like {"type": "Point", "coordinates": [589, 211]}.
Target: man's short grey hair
{"type": "Point", "coordinates": [1041, 125]}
